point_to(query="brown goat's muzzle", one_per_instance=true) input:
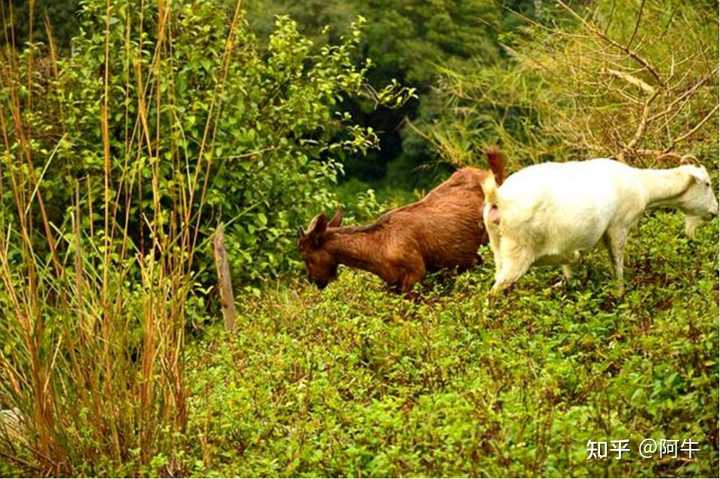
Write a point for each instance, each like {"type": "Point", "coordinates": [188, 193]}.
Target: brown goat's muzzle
{"type": "Point", "coordinates": [321, 283]}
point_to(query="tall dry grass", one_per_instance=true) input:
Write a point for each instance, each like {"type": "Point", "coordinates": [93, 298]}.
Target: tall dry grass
{"type": "Point", "coordinates": [93, 326]}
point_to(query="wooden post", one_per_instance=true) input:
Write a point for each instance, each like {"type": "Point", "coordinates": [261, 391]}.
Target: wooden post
{"type": "Point", "coordinates": [227, 300]}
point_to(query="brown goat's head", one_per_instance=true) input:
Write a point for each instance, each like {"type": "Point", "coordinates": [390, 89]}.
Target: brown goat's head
{"type": "Point", "coordinates": [320, 263]}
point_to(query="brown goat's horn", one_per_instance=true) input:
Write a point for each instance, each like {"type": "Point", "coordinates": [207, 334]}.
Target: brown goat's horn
{"type": "Point", "coordinates": [313, 224]}
{"type": "Point", "coordinates": [337, 218]}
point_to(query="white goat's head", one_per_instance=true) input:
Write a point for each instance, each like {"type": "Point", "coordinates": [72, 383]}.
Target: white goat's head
{"type": "Point", "coordinates": [698, 202]}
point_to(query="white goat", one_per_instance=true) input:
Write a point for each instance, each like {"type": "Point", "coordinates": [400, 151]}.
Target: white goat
{"type": "Point", "coordinates": [549, 213]}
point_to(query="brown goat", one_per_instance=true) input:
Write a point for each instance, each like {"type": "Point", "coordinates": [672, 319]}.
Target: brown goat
{"type": "Point", "coordinates": [442, 230]}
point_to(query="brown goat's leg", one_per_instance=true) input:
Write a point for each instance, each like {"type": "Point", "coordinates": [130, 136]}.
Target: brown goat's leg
{"type": "Point", "coordinates": [410, 279]}
{"type": "Point", "coordinates": [477, 260]}
{"type": "Point", "coordinates": [407, 284]}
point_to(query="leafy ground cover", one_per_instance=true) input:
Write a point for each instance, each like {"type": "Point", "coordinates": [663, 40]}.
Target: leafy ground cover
{"type": "Point", "coordinates": [142, 126]}
{"type": "Point", "coordinates": [355, 381]}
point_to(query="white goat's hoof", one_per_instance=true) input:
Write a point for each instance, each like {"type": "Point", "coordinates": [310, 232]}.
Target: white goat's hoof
{"type": "Point", "coordinates": [491, 299]}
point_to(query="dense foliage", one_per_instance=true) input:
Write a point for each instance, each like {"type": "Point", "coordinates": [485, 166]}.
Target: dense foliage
{"type": "Point", "coordinates": [129, 133]}
{"type": "Point", "coordinates": [119, 159]}
{"type": "Point", "coordinates": [352, 381]}
{"type": "Point", "coordinates": [406, 40]}
{"type": "Point", "coordinates": [409, 41]}
{"type": "Point", "coordinates": [258, 123]}
{"type": "Point", "coordinates": [39, 21]}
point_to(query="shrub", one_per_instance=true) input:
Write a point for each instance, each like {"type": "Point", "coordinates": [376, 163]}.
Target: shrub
{"type": "Point", "coordinates": [118, 161]}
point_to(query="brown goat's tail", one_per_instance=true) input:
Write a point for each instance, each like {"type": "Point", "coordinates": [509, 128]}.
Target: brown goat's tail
{"type": "Point", "coordinates": [489, 187]}
{"type": "Point", "coordinates": [497, 164]}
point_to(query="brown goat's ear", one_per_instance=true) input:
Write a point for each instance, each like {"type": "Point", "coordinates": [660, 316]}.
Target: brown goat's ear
{"type": "Point", "coordinates": [316, 229]}
{"type": "Point", "coordinates": [301, 232]}
{"type": "Point", "coordinates": [336, 219]}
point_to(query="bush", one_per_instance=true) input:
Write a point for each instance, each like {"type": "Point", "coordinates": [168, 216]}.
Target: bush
{"type": "Point", "coordinates": [265, 130]}
{"type": "Point", "coordinates": [118, 162]}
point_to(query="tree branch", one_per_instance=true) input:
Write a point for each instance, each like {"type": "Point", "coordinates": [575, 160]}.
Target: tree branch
{"type": "Point", "coordinates": [693, 131]}
{"type": "Point", "coordinates": [227, 299]}
{"type": "Point", "coordinates": [640, 129]}
{"type": "Point", "coordinates": [632, 54]}
{"type": "Point", "coordinates": [632, 80]}
{"type": "Point", "coordinates": [637, 24]}
{"type": "Point", "coordinates": [686, 94]}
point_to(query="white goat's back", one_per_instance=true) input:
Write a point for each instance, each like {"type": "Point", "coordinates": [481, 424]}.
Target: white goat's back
{"type": "Point", "coordinates": [560, 208]}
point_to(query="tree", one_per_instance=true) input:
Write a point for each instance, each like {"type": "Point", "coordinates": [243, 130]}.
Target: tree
{"type": "Point", "coordinates": [20, 17]}
{"type": "Point", "coordinates": [633, 81]}
{"type": "Point", "coordinates": [407, 40]}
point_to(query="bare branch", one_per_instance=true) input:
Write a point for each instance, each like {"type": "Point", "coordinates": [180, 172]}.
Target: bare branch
{"type": "Point", "coordinates": [227, 299]}
{"type": "Point", "coordinates": [632, 54]}
{"type": "Point", "coordinates": [632, 80]}
{"type": "Point", "coordinates": [693, 131]}
{"type": "Point", "coordinates": [631, 99]}
{"type": "Point", "coordinates": [637, 24]}
{"type": "Point", "coordinates": [672, 66]}
{"type": "Point", "coordinates": [640, 129]}
{"type": "Point", "coordinates": [658, 154]}
{"type": "Point", "coordinates": [686, 94]}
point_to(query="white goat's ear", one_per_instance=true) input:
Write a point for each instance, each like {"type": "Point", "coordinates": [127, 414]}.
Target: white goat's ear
{"type": "Point", "coordinates": [336, 219]}
{"type": "Point", "coordinates": [699, 174]}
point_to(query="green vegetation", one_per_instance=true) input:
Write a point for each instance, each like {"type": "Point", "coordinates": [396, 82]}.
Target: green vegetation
{"type": "Point", "coordinates": [353, 381]}
{"type": "Point", "coordinates": [409, 41]}
{"type": "Point", "coordinates": [132, 129]}
{"type": "Point", "coordinates": [118, 162]}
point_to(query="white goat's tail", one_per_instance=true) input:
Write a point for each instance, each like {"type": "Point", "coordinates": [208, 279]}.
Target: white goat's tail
{"type": "Point", "coordinates": [489, 187]}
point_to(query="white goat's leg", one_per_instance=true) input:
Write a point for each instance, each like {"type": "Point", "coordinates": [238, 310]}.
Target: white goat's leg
{"type": "Point", "coordinates": [510, 272]}
{"type": "Point", "coordinates": [567, 269]}
{"type": "Point", "coordinates": [615, 243]}
{"type": "Point", "coordinates": [567, 276]}
{"type": "Point", "coordinates": [495, 247]}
